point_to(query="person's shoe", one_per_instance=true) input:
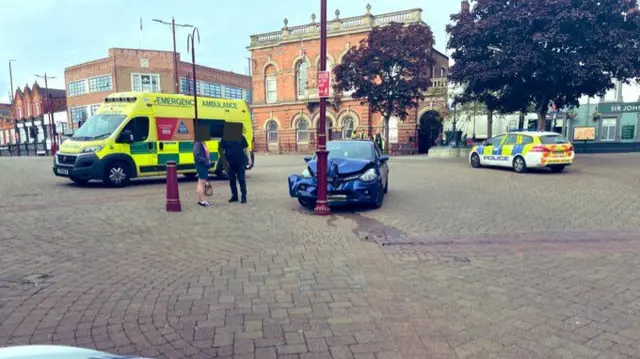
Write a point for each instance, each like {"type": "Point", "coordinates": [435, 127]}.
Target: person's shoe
{"type": "Point", "coordinates": [204, 204]}
{"type": "Point", "coordinates": [244, 200]}
{"type": "Point", "coordinates": [233, 200]}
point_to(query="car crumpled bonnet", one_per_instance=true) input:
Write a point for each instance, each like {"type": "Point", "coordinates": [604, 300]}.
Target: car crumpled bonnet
{"type": "Point", "coordinates": [341, 166]}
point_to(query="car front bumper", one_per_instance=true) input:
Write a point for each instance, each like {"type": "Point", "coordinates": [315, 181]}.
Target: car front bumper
{"type": "Point", "coordinates": [84, 166]}
{"type": "Point", "coordinates": [343, 193]}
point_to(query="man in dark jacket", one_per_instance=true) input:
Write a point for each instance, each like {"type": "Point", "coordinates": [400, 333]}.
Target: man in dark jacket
{"type": "Point", "coordinates": [237, 158]}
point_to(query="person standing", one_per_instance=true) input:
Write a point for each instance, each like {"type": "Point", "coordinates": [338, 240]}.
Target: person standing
{"type": "Point", "coordinates": [203, 163]}
{"type": "Point", "coordinates": [378, 140]}
{"type": "Point", "coordinates": [237, 159]}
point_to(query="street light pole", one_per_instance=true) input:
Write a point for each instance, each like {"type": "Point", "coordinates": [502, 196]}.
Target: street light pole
{"type": "Point", "coordinates": [322, 206]}
{"type": "Point", "coordinates": [191, 47]}
{"type": "Point", "coordinates": [175, 53]}
{"type": "Point", "coordinates": [49, 110]}
{"type": "Point", "coordinates": [11, 79]}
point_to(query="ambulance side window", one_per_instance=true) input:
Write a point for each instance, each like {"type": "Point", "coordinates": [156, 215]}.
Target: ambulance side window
{"type": "Point", "coordinates": [139, 126]}
{"type": "Point", "coordinates": [527, 140]}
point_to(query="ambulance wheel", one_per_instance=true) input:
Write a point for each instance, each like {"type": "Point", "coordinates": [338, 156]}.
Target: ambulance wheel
{"type": "Point", "coordinates": [519, 165]}
{"type": "Point", "coordinates": [190, 176]}
{"type": "Point", "coordinates": [475, 161]}
{"type": "Point", "coordinates": [117, 174]}
{"type": "Point", "coordinates": [80, 181]}
{"type": "Point", "coordinates": [557, 169]}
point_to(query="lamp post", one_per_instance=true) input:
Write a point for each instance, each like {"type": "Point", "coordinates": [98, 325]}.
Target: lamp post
{"type": "Point", "coordinates": [175, 54]}
{"type": "Point", "coordinates": [191, 47]}
{"type": "Point", "coordinates": [49, 110]}
{"type": "Point", "coordinates": [11, 79]}
{"type": "Point", "coordinates": [322, 206]}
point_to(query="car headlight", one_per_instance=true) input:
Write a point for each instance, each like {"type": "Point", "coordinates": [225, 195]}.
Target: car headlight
{"type": "Point", "coordinates": [306, 173]}
{"type": "Point", "coordinates": [92, 149]}
{"type": "Point", "coordinates": [369, 175]}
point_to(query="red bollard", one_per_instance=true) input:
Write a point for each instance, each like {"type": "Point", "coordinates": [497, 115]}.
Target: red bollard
{"type": "Point", "coordinates": [173, 194]}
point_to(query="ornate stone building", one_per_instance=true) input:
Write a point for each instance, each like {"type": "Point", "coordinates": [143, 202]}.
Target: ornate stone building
{"type": "Point", "coordinates": [285, 64]}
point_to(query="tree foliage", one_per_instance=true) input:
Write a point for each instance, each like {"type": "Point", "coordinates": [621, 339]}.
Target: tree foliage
{"type": "Point", "coordinates": [389, 69]}
{"type": "Point", "coordinates": [519, 52]}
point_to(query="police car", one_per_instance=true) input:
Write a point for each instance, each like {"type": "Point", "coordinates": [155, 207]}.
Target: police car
{"type": "Point", "coordinates": [523, 150]}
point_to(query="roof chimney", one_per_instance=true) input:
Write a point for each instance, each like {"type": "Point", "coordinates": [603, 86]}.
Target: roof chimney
{"type": "Point", "coordinates": [464, 6]}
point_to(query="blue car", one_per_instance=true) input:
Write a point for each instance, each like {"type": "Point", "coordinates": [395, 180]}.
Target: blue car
{"type": "Point", "coordinates": [357, 171]}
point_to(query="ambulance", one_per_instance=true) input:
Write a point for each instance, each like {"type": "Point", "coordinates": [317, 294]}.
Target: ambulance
{"type": "Point", "coordinates": [134, 135]}
{"type": "Point", "coordinates": [523, 150]}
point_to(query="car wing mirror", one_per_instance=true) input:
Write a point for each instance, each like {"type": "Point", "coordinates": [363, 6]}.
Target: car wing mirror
{"type": "Point", "coordinates": [307, 159]}
{"type": "Point", "coordinates": [384, 158]}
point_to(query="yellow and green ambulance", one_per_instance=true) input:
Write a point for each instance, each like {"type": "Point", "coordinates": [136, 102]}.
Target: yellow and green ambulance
{"type": "Point", "coordinates": [135, 134]}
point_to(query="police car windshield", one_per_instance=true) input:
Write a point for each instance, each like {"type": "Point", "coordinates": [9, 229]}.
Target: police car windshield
{"type": "Point", "coordinates": [552, 139]}
{"type": "Point", "coordinates": [356, 150]}
{"type": "Point", "coordinates": [98, 127]}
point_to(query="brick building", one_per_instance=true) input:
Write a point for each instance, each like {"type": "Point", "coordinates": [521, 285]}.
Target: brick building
{"type": "Point", "coordinates": [147, 71]}
{"type": "Point", "coordinates": [286, 104]}
{"type": "Point", "coordinates": [5, 122]}
{"type": "Point", "coordinates": [28, 118]}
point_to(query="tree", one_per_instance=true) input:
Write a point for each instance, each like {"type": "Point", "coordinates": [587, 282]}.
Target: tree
{"type": "Point", "coordinates": [389, 70]}
{"type": "Point", "coordinates": [544, 52]}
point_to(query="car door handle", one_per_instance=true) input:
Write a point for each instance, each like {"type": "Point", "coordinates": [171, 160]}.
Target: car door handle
{"type": "Point", "coordinates": [150, 146]}
{"type": "Point", "coordinates": [161, 146]}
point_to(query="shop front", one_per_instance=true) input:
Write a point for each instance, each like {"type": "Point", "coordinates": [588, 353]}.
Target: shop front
{"type": "Point", "coordinates": [608, 127]}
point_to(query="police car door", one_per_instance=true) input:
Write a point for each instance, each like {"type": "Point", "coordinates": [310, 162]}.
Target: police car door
{"type": "Point", "coordinates": [508, 150]}
{"type": "Point", "coordinates": [492, 151]}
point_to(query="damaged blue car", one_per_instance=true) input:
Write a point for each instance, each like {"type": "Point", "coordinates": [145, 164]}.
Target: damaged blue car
{"type": "Point", "coordinates": [358, 174]}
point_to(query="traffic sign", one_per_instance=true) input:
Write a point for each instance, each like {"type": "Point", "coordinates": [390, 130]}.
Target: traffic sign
{"type": "Point", "coordinates": [324, 83]}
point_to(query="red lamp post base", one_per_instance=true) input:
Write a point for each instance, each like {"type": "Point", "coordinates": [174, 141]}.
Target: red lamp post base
{"type": "Point", "coordinates": [322, 209]}
{"type": "Point", "coordinates": [322, 206]}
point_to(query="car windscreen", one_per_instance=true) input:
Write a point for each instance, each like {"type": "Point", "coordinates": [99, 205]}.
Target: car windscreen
{"type": "Point", "coordinates": [353, 150]}
{"type": "Point", "coordinates": [553, 140]}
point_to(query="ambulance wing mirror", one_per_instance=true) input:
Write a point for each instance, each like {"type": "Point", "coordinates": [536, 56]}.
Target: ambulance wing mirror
{"type": "Point", "coordinates": [126, 137]}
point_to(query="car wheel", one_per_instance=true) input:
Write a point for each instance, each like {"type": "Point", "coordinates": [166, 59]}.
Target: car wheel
{"type": "Point", "coordinates": [519, 165]}
{"type": "Point", "coordinates": [308, 204]}
{"type": "Point", "coordinates": [80, 181]}
{"type": "Point", "coordinates": [221, 172]}
{"type": "Point", "coordinates": [557, 169]}
{"type": "Point", "coordinates": [379, 199]}
{"type": "Point", "coordinates": [190, 176]}
{"type": "Point", "coordinates": [386, 187]}
{"type": "Point", "coordinates": [475, 161]}
{"type": "Point", "coordinates": [117, 174]}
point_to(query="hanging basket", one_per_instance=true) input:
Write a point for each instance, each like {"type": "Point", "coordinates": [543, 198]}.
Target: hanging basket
{"type": "Point", "coordinates": [597, 116]}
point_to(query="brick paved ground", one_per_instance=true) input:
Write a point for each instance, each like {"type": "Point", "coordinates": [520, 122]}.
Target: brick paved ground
{"type": "Point", "coordinates": [459, 263]}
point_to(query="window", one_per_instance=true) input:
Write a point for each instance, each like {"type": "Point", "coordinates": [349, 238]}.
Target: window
{"type": "Point", "coordinates": [271, 87]}
{"type": "Point", "coordinates": [93, 109]}
{"type": "Point", "coordinates": [272, 132]}
{"type": "Point", "coordinates": [608, 129]}
{"type": "Point", "coordinates": [139, 126]}
{"type": "Point", "coordinates": [511, 140]}
{"type": "Point", "coordinates": [186, 86]}
{"type": "Point", "coordinates": [145, 82]}
{"type": "Point", "coordinates": [233, 93]}
{"type": "Point", "coordinates": [100, 84]}
{"type": "Point", "coordinates": [76, 88]}
{"type": "Point", "coordinates": [443, 72]}
{"type": "Point", "coordinates": [302, 131]}
{"type": "Point", "coordinates": [19, 112]}
{"type": "Point", "coordinates": [302, 77]}
{"type": "Point", "coordinates": [28, 109]}
{"type": "Point", "coordinates": [216, 127]}
{"type": "Point", "coordinates": [527, 140]}
{"type": "Point", "coordinates": [38, 112]}
{"type": "Point", "coordinates": [212, 90]}
{"type": "Point", "coordinates": [348, 126]}
{"type": "Point", "coordinates": [78, 114]}
{"type": "Point", "coordinates": [496, 141]}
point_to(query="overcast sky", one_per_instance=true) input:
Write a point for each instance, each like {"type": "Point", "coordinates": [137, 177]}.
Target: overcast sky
{"type": "Point", "coordinates": [49, 35]}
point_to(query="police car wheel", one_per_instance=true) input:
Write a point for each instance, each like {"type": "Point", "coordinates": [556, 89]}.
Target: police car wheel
{"type": "Point", "coordinates": [117, 174]}
{"type": "Point", "coordinates": [475, 161]}
{"type": "Point", "coordinates": [519, 165]}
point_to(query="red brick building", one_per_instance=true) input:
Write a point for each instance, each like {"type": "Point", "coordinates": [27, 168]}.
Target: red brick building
{"type": "Point", "coordinates": [286, 104]}
{"type": "Point", "coordinates": [28, 110]}
{"type": "Point", "coordinates": [147, 71]}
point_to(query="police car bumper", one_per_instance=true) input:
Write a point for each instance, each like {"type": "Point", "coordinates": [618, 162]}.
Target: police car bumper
{"type": "Point", "coordinates": [343, 193]}
{"type": "Point", "coordinates": [85, 166]}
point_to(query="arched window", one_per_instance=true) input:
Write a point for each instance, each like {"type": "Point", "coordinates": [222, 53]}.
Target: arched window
{"type": "Point", "coordinates": [272, 132]}
{"type": "Point", "coordinates": [270, 85]}
{"type": "Point", "coordinates": [302, 77]}
{"type": "Point", "coordinates": [348, 126]}
{"type": "Point", "coordinates": [302, 131]}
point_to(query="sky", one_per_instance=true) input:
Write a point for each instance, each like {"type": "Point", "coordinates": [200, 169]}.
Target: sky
{"type": "Point", "coordinates": [46, 36]}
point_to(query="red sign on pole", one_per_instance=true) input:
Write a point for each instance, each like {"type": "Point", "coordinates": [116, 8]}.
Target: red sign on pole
{"type": "Point", "coordinates": [324, 83]}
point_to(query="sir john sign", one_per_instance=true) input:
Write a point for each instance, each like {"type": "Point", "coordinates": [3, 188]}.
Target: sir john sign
{"type": "Point", "coordinates": [619, 107]}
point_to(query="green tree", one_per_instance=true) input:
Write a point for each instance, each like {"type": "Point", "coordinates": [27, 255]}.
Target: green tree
{"type": "Point", "coordinates": [389, 70]}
